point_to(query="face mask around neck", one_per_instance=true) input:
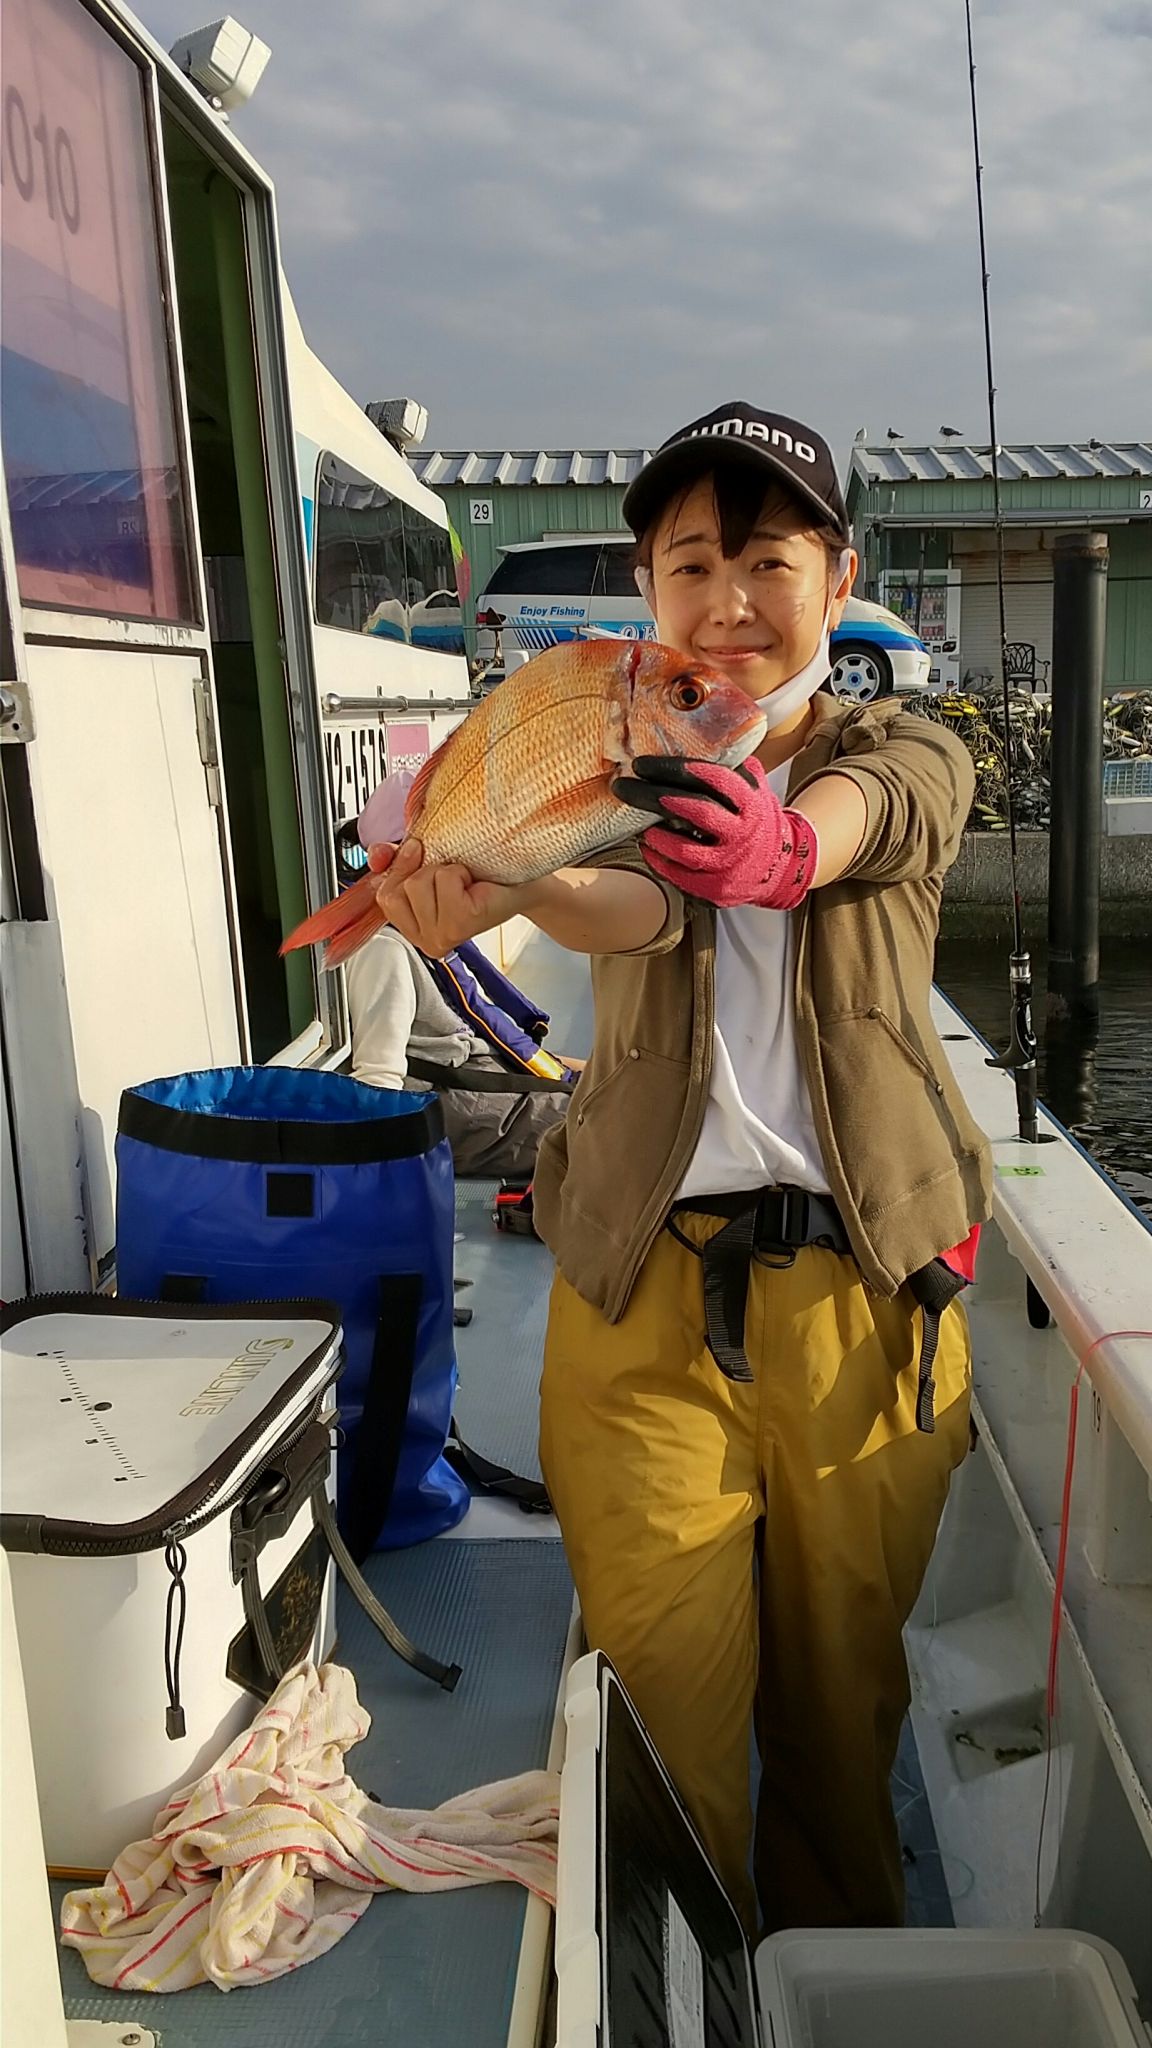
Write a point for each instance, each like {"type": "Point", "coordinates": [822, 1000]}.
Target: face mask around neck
{"type": "Point", "coordinates": [782, 703]}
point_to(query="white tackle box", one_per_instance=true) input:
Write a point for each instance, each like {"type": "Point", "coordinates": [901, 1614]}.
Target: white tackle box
{"type": "Point", "coordinates": [650, 1952]}
{"type": "Point", "coordinates": [160, 1473]}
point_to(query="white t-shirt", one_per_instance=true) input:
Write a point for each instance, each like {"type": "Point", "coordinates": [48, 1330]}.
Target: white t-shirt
{"type": "Point", "coordinates": [758, 1129]}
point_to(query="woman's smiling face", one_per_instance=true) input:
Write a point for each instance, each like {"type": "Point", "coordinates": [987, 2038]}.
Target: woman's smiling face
{"type": "Point", "coordinates": [757, 615]}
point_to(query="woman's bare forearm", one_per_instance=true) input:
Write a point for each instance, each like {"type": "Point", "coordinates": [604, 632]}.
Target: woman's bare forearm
{"type": "Point", "coordinates": [595, 910]}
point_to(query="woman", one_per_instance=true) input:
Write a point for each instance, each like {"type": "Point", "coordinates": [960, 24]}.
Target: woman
{"type": "Point", "coordinates": [756, 1382]}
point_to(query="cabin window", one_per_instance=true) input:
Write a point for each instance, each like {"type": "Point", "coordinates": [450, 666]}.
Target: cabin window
{"type": "Point", "coordinates": [382, 567]}
{"type": "Point", "coordinates": [87, 409]}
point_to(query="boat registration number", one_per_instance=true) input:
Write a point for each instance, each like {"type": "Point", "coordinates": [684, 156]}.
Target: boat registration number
{"type": "Point", "coordinates": [358, 757]}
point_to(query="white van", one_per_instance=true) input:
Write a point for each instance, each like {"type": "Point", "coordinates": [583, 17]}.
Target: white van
{"type": "Point", "coordinates": [545, 592]}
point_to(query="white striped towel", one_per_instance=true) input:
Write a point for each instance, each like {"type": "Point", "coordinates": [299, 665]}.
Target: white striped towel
{"type": "Point", "coordinates": [273, 1855]}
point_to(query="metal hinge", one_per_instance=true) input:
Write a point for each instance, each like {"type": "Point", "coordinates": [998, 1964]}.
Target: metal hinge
{"type": "Point", "coordinates": [206, 735]}
{"type": "Point", "coordinates": [109, 2034]}
{"type": "Point", "coordinates": [16, 723]}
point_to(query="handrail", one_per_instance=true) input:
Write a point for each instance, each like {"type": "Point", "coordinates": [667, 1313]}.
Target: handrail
{"type": "Point", "coordinates": [1119, 1366]}
{"type": "Point", "coordinates": [1084, 1250]}
{"type": "Point", "coordinates": [333, 703]}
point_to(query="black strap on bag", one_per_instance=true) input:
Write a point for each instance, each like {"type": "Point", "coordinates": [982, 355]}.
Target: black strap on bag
{"type": "Point", "coordinates": [768, 1224]}
{"type": "Point", "coordinates": [445, 1675]}
{"type": "Point", "coordinates": [267, 1512]}
{"type": "Point", "coordinates": [495, 1481]}
{"type": "Point", "coordinates": [483, 1081]}
{"type": "Point", "coordinates": [380, 1436]}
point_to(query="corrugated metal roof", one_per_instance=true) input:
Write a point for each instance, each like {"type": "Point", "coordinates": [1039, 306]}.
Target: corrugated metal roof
{"type": "Point", "coordinates": [894, 463]}
{"type": "Point", "coordinates": [955, 461]}
{"type": "Point", "coordinates": [482, 468]}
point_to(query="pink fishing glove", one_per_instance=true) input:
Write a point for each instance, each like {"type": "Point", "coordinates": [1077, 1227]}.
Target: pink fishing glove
{"type": "Point", "coordinates": [727, 838]}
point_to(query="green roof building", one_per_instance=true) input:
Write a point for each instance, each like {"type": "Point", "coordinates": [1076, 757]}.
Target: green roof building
{"type": "Point", "coordinates": [498, 497]}
{"type": "Point", "coordinates": [923, 523]}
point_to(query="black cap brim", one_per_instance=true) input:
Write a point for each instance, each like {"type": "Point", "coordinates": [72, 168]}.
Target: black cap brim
{"type": "Point", "coordinates": [670, 469]}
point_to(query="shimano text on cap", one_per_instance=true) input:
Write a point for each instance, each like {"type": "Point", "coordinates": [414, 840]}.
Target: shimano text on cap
{"type": "Point", "coordinates": [783, 449]}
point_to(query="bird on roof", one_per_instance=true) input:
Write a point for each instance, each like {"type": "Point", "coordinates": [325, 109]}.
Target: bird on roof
{"type": "Point", "coordinates": [1095, 444]}
{"type": "Point", "coordinates": [894, 434]}
{"type": "Point", "coordinates": [861, 435]}
{"type": "Point", "coordinates": [952, 433]}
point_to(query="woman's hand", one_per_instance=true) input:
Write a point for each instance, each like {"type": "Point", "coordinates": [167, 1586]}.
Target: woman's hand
{"type": "Point", "coordinates": [726, 837]}
{"type": "Point", "coordinates": [438, 906]}
{"type": "Point", "coordinates": [588, 910]}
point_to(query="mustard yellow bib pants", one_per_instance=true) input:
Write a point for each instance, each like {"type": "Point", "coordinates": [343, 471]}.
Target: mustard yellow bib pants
{"type": "Point", "coordinates": [759, 1547]}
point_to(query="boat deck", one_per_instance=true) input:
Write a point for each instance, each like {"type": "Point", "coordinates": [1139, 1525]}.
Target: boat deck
{"type": "Point", "coordinates": [494, 1596]}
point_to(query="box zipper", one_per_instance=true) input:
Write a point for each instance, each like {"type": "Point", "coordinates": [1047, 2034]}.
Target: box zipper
{"type": "Point", "coordinates": [79, 1540]}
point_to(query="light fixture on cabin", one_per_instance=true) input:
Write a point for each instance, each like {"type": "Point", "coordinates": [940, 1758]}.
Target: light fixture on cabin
{"type": "Point", "coordinates": [403, 421]}
{"type": "Point", "coordinates": [225, 60]}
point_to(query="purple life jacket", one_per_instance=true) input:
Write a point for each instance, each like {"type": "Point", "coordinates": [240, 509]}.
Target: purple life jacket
{"type": "Point", "coordinates": [497, 1011]}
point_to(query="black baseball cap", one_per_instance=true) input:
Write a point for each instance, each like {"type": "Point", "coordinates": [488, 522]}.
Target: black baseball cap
{"type": "Point", "coordinates": [780, 448]}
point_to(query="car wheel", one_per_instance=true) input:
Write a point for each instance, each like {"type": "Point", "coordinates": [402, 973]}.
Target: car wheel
{"type": "Point", "coordinates": [860, 672]}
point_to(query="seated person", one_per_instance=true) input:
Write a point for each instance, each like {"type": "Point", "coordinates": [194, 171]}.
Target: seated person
{"type": "Point", "coordinates": [459, 1026]}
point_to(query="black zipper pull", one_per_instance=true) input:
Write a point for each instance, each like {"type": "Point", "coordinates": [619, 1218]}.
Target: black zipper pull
{"type": "Point", "coordinates": [176, 1559]}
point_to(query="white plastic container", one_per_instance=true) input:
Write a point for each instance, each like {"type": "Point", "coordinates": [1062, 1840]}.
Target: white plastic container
{"type": "Point", "coordinates": [649, 1948]}
{"type": "Point", "coordinates": [160, 1469]}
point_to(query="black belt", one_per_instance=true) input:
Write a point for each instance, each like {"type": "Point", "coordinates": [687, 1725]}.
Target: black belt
{"type": "Point", "coordinates": [771, 1225]}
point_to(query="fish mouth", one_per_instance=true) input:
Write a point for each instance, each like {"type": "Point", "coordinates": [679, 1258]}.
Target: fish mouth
{"type": "Point", "coordinates": [739, 749]}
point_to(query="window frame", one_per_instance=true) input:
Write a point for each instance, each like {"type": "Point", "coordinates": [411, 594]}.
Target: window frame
{"type": "Point", "coordinates": [327, 459]}
{"type": "Point", "coordinates": [611, 550]}
{"type": "Point", "coordinates": [49, 618]}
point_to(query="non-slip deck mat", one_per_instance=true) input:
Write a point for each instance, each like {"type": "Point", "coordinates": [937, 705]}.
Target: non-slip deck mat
{"type": "Point", "coordinates": [435, 1971]}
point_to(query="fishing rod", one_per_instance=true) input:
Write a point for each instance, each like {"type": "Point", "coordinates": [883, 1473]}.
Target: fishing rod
{"type": "Point", "coordinates": [1020, 1058]}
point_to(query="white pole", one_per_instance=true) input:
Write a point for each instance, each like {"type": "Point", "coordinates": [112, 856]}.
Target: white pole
{"type": "Point", "coordinates": [31, 2008]}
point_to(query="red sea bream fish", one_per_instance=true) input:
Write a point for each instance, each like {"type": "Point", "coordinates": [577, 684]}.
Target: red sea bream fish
{"type": "Point", "coordinates": [523, 786]}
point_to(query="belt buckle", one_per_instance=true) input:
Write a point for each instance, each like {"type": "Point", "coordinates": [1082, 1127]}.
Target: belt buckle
{"type": "Point", "coordinates": [794, 1213]}
{"type": "Point", "coordinates": [780, 1244]}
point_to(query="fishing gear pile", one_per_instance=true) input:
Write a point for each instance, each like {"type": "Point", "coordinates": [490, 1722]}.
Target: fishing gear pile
{"type": "Point", "coordinates": [1022, 764]}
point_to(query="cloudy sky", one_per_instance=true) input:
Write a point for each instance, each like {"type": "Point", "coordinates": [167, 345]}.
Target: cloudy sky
{"type": "Point", "coordinates": [582, 222]}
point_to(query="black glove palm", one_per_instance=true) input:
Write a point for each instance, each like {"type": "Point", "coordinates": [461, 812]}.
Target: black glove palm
{"type": "Point", "coordinates": [656, 776]}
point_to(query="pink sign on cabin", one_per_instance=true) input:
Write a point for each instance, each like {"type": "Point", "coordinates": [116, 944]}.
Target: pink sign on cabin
{"type": "Point", "coordinates": [406, 747]}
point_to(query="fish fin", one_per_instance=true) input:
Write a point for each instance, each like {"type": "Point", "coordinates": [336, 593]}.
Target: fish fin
{"type": "Point", "coordinates": [346, 923]}
{"type": "Point", "coordinates": [414, 801]}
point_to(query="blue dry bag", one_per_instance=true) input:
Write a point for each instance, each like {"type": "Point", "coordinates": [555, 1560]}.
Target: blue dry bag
{"type": "Point", "coordinates": [247, 1183]}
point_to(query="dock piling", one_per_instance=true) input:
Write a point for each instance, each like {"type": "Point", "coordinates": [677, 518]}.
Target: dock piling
{"type": "Point", "coordinates": [1079, 599]}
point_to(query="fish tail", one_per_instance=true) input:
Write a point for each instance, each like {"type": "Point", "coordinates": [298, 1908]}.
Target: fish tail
{"type": "Point", "coordinates": [346, 923]}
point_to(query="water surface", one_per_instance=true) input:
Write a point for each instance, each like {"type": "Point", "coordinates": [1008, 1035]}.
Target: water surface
{"type": "Point", "coordinates": [1100, 1087]}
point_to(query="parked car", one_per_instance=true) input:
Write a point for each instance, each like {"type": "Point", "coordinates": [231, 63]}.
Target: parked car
{"type": "Point", "coordinates": [545, 592]}
{"type": "Point", "coordinates": [875, 653]}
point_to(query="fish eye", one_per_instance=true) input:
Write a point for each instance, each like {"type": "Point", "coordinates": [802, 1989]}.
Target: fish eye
{"type": "Point", "coordinates": [687, 693]}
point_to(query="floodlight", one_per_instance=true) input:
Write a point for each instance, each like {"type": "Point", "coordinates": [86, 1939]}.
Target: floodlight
{"type": "Point", "coordinates": [225, 60]}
